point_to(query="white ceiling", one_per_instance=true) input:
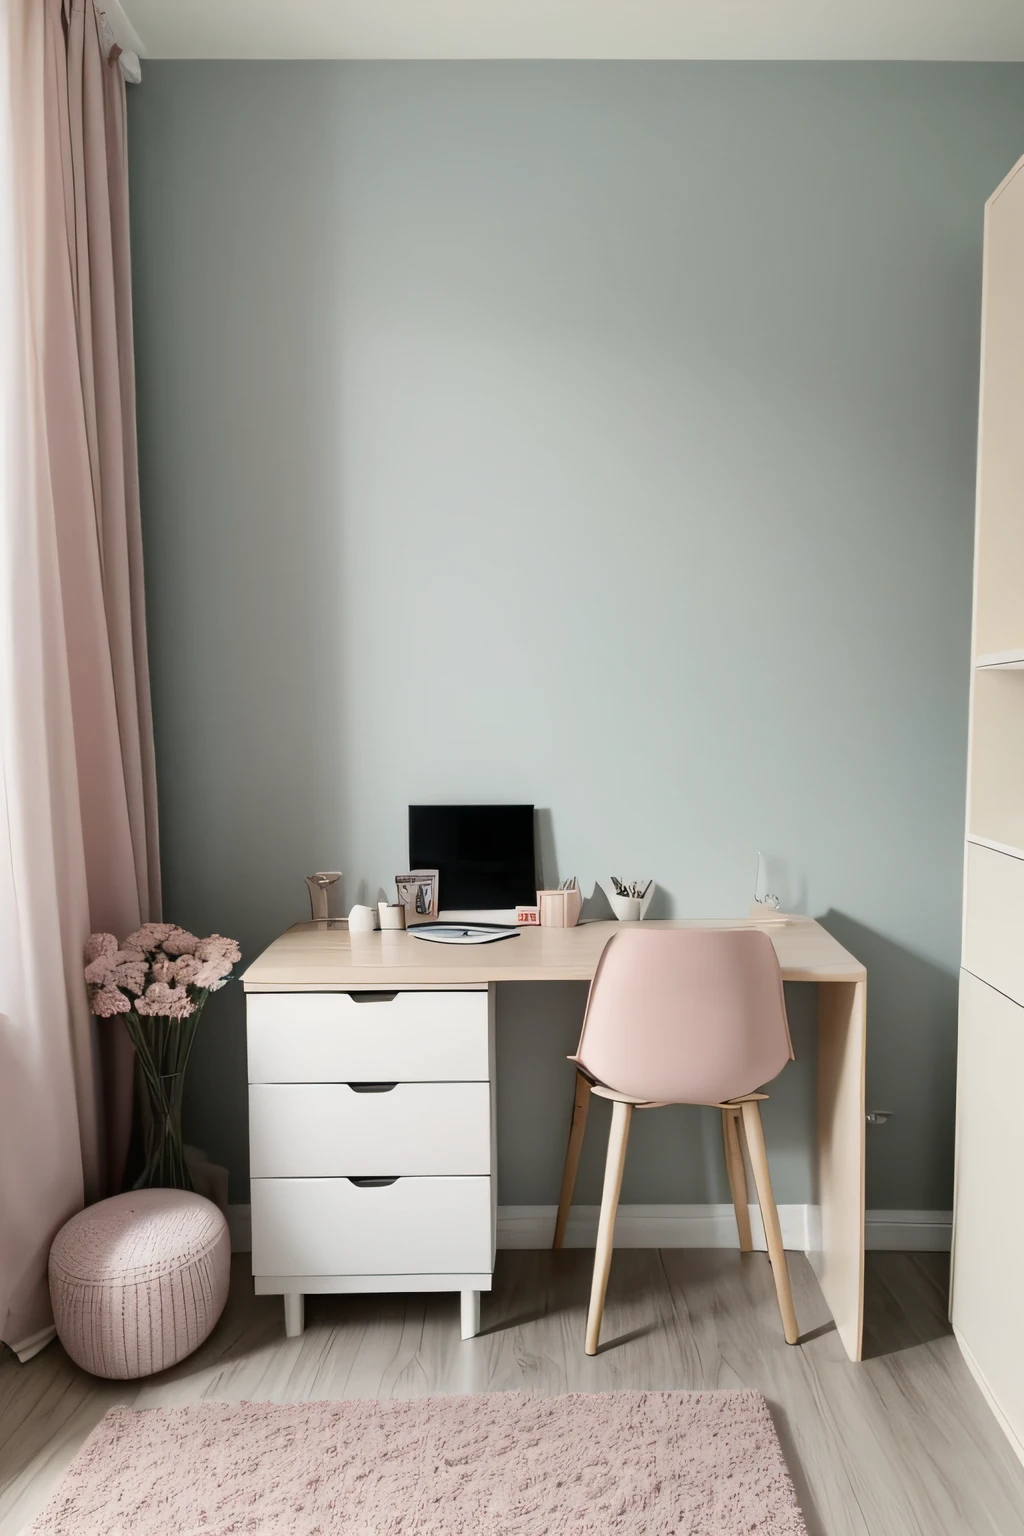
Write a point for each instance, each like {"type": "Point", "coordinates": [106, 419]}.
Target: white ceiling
{"type": "Point", "coordinates": [571, 29]}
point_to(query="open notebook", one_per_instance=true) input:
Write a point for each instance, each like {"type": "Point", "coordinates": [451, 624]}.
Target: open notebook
{"type": "Point", "coordinates": [462, 933]}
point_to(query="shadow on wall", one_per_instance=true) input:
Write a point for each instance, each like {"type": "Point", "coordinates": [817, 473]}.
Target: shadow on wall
{"type": "Point", "coordinates": [243, 546]}
{"type": "Point", "coordinates": [911, 1068]}
{"type": "Point", "coordinates": [596, 906]}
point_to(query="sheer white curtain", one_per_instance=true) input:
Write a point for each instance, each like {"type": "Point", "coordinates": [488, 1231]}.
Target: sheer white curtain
{"type": "Point", "coordinates": [77, 785]}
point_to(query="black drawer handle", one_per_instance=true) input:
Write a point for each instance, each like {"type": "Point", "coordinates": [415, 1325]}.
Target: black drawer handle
{"type": "Point", "coordinates": [372, 1087]}
{"type": "Point", "coordinates": [372, 1182]}
{"type": "Point", "coordinates": [372, 997]}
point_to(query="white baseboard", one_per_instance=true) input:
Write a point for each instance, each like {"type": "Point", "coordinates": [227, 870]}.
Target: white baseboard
{"type": "Point", "coordinates": [909, 1231]}
{"type": "Point", "coordinates": [988, 1395]}
{"type": "Point", "coordinates": [646, 1226]}
{"type": "Point", "coordinates": [684, 1226]}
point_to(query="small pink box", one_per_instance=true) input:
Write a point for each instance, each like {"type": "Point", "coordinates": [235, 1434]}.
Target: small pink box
{"type": "Point", "coordinates": [529, 917]}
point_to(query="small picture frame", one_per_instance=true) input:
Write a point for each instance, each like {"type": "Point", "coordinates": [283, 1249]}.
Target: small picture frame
{"type": "Point", "coordinates": [418, 894]}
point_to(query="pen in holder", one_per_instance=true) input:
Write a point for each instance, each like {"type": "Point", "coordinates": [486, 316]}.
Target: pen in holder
{"type": "Point", "coordinates": [629, 899]}
{"type": "Point", "coordinates": [561, 908]}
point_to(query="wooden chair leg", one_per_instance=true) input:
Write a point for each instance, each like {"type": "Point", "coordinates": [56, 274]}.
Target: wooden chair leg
{"type": "Point", "coordinates": [770, 1216]}
{"type": "Point", "coordinates": [617, 1139]}
{"type": "Point", "coordinates": [577, 1126]}
{"type": "Point", "coordinates": [737, 1176]}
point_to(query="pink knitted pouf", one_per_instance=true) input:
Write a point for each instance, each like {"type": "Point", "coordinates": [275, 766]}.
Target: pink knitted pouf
{"type": "Point", "coordinates": [138, 1282]}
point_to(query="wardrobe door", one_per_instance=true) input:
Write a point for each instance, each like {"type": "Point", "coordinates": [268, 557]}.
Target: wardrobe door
{"type": "Point", "coordinates": [988, 1305]}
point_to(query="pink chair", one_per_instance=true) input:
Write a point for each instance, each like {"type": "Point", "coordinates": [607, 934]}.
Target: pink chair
{"type": "Point", "coordinates": [682, 1016]}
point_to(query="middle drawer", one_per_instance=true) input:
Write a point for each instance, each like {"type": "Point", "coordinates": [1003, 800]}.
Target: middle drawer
{"type": "Point", "coordinates": [331, 1130]}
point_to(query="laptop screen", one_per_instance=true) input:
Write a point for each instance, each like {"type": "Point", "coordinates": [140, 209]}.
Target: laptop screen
{"type": "Point", "coordinates": [484, 854]}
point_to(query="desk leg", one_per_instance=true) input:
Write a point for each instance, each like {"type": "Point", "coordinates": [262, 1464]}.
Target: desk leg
{"type": "Point", "coordinates": [839, 1262]}
{"type": "Point", "coordinates": [577, 1129]}
{"type": "Point", "coordinates": [294, 1313]}
{"type": "Point", "coordinates": [470, 1314]}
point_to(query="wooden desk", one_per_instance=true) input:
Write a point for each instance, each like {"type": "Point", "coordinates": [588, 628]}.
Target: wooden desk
{"type": "Point", "coordinates": [316, 957]}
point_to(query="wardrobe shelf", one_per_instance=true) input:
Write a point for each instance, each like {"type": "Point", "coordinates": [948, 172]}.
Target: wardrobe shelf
{"type": "Point", "coordinates": [988, 842]}
{"type": "Point", "coordinates": [995, 799]}
{"type": "Point", "coordinates": [1000, 661]}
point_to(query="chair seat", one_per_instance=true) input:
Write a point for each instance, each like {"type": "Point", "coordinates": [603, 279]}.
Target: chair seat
{"type": "Point", "coordinates": [624, 1098]}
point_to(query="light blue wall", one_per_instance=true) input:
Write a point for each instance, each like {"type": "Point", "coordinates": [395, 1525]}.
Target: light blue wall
{"type": "Point", "coordinates": [597, 435]}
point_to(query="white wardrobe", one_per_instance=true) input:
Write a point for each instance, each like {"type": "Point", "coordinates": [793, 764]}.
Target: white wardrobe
{"type": "Point", "coordinates": [987, 1305]}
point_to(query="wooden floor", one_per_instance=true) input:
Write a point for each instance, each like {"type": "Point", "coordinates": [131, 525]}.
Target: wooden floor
{"type": "Point", "coordinates": [902, 1445]}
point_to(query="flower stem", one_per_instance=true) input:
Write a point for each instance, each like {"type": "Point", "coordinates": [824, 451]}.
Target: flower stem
{"type": "Point", "coordinates": [162, 1048]}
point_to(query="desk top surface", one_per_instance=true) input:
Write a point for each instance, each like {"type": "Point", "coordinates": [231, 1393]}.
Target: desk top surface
{"type": "Point", "coordinates": [316, 957]}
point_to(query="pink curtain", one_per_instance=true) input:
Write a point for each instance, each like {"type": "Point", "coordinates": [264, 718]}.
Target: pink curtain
{"type": "Point", "coordinates": [90, 373]}
{"type": "Point", "coordinates": [76, 743]}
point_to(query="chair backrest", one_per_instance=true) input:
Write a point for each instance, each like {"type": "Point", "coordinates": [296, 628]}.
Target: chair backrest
{"type": "Point", "coordinates": [686, 1015]}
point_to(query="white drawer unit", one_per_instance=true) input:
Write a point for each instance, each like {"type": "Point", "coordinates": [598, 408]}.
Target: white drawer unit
{"type": "Point", "coordinates": [371, 1139]}
{"type": "Point", "coordinates": [348, 1037]}
{"type": "Point", "coordinates": [326, 1130]}
{"type": "Point", "coordinates": [341, 1227]}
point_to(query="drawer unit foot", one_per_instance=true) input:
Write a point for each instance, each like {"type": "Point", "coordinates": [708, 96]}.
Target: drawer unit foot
{"type": "Point", "coordinates": [294, 1314]}
{"type": "Point", "coordinates": [470, 1314]}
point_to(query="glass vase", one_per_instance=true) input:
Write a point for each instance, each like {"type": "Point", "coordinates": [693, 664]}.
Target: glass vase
{"type": "Point", "coordinates": [162, 1050]}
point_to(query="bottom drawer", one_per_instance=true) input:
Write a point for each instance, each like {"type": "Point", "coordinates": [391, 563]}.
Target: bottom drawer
{"type": "Point", "coordinates": [338, 1227]}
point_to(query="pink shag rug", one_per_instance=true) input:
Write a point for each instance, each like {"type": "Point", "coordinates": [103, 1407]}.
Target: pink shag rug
{"type": "Point", "coordinates": [504, 1464]}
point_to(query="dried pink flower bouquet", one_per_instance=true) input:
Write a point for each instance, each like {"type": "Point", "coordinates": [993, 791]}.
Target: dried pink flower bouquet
{"type": "Point", "coordinates": [158, 979]}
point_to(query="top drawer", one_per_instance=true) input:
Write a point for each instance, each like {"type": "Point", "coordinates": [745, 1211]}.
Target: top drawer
{"type": "Point", "coordinates": [342, 1037]}
{"type": "Point", "coordinates": [994, 920]}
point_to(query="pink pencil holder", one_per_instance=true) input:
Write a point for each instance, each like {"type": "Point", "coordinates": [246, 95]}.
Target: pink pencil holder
{"type": "Point", "coordinates": [559, 909]}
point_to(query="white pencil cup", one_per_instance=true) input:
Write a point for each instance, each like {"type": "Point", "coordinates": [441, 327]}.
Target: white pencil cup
{"type": "Point", "coordinates": [362, 920]}
{"type": "Point", "coordinates": [630, 909]}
